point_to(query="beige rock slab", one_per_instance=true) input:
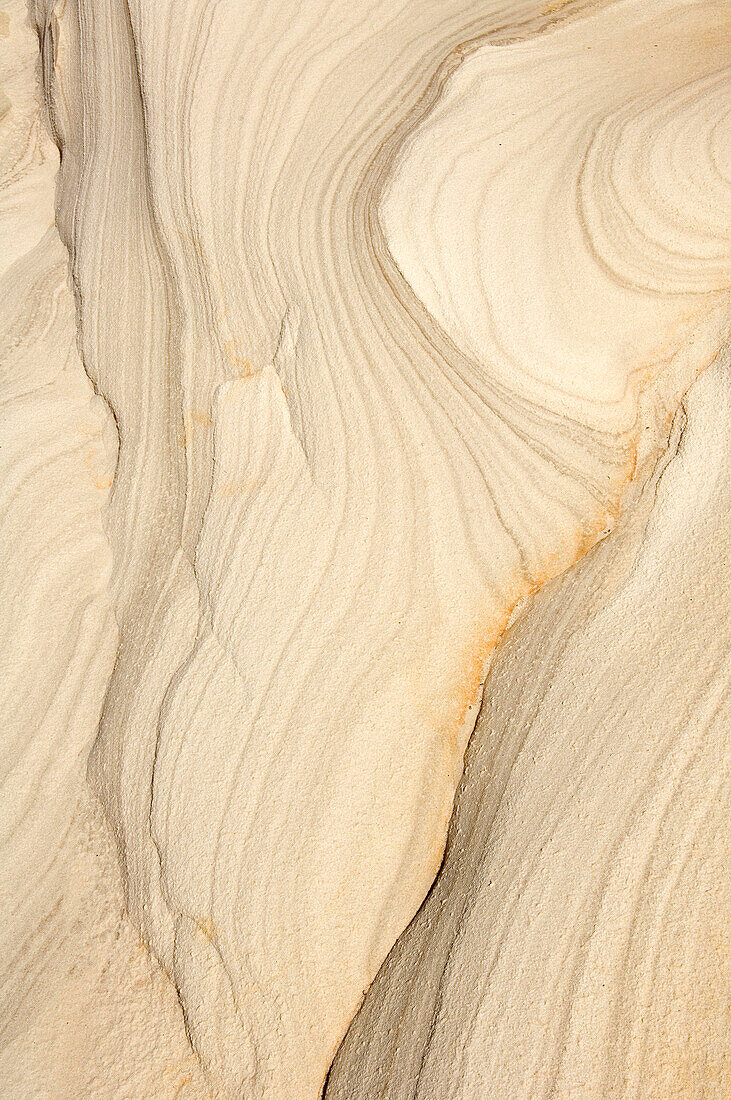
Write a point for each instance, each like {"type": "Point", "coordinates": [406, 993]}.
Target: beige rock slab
{"type": "Point", "coordinates": [83, 1009]}
{"type": "Point", "coordinates": [576, 940]}
{"type": "Point", "coordinates": [384, 307]}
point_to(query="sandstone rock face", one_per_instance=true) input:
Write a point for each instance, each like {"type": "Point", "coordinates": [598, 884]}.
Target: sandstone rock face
{"type": "Point", "coordinates": [575, 941]}
{"type": "Point", "coordinates": [365, 368]}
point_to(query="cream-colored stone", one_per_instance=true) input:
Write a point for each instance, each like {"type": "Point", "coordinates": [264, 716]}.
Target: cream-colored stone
{"type": "Point", "coordinates": [383, 312]}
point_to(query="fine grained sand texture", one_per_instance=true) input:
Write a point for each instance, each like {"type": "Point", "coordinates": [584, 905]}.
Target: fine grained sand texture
{"type": "Point", "coordinates": [364, 393]}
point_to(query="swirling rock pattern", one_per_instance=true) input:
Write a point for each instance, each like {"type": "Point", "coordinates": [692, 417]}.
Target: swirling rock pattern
{"type": "Point", "coordinates": [384, 312]}
{"type": "Point", "coordinates": [575, 942]}
{"type": "Point", "coordinates": [78, 993]}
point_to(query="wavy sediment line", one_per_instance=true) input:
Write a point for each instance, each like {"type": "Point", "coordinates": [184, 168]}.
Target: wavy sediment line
{"type": "Point", "coordinates": [353, 434]}
{"type": "Point", "coordinates": [573, 940]}
{"type": "Point", "coordinates": [78, 993]}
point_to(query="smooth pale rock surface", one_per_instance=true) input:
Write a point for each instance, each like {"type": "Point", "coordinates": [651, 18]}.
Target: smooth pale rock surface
{"type": "Point", "coordinates": [378, 318]}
